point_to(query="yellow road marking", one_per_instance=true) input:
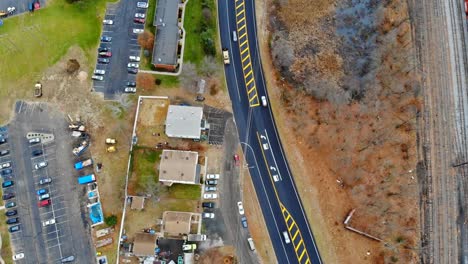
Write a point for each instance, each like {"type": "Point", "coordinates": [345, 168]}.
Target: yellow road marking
{"type": "Point", "coordinates": [246, 66]}
{"type": "Point", "coordinates": [287, 218]}
{"type": "Point", "coordinates": [302, 255]}
{"type": "Point", "coordinates": [298, 245]}
{"type": "Point", "coordinates": [307, 261]}
{"type": "Point", "coordinates": [244, 59]}
{"type": "Point", "coordinates": [246, 49]}
{"type": "Point", "coordinates": [253, 97]}
{"type": "Point", "coordinates": [243, 35]}
{"type": "Point", "coordinates": [240, 12]}
{"type": "Point", "coordinates": [253, 88]}
{"type": "Point", "coordinates": [240, 5]}
{"type": "Point", "coordinates": [241, 28]}
{"type": "Point", "coordinates": [248, 74]}
{"type": "Point", "coordinates": [240, 20]}
{"type": "Point", "coordinates": [295, 234]}
{"type": "Point", "coordinates": [249, 82]}
{"type": "Point", "coordinates": [242, 44]}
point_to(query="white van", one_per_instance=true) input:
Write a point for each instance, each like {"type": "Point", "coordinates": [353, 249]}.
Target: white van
{"type": "Point", "coordinates": [251, 243]}
{"type": "Point", "coordinates": [286, 237]}
{"type": "Point", "coordinates": [234, 36]}
{"type": "Point", "coordinates": [264, 101]}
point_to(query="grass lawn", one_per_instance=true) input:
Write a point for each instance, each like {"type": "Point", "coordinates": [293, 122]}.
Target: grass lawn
{"type": "Point", "coordinates": [150, 16]}
{"type": "Point", "coordinates": [185, 191]}
{"type": "Point", "coordinates": [144, 167]}
{"type": "Point", "coordinates": [32, 42]}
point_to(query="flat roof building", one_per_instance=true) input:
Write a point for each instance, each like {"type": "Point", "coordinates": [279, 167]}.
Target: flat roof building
{"type": "Point", "coordinates": [177, 166]}
{"type": "Point", "coordinates": [166, 41]}
{"type": "Point", "coordinates": [177, 223]}
{"type": "Point", "coordinates": [184, 121]}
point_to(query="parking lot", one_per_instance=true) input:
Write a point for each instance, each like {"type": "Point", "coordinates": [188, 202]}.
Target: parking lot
{"type": "Point", "coordinates": [123, 44]}
{"type": "Point", "coordinates": [20, 5]}
{"type": "Point", "coordinates": [43, 242]}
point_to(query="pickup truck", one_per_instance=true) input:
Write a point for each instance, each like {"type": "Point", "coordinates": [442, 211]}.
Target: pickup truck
{"type": "Point", "coordinates": [84, 163]}
{"type": "Point", "coordinates": [87, 179]}
{"type": "Point", "coordinates": [226, 56]}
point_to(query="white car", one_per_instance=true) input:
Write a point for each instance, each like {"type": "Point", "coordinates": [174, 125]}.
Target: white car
{"type": "Point", "coordinates": [138, 30]}
{"type": "Point", "coordinates": [97, 77]}
{"type": "Point", "coordinates": [210, 196]}
{"type": "Point", "coordinates": [241, 208]}
{"type": "Point", "coordinates": [34, 140]}
{"type": "Point", "coordinates": [140, 15]}
{"type": "Point", "coordinates": [133, 65]}
{"type": "Point", "coordinates": [99, 72]}
{"type": "Point", "coordinates": [5, 165]}
{"type": "Point", "coordinates": [134, 58]}
{"type": "Point", "coordinates": [18, 256]}
{"type": "Point", "coordinates": [212, 176]}
{"type": "Point", "coordinates": [286, 237]}
{"type": "Point", "coordinates": [264, 101]}
{"type": "Point", "coordinates": [48, 222]}
{"type": "Point", "coordinates": [44, 197]}
{"type": "Point", "coordinates": [208, 215]}
{"type": "Point", "coordinates": [130, 90]}
{"type": "Point", "coordinates": [142, 5]}
{"type": "Point", "coordinates": [40, 165]}
{"type": "Point", "coordinates": [108, 22]}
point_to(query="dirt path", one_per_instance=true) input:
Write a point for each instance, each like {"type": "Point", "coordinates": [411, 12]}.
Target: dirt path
{"type": "Point", "coordinates": [440, 32]}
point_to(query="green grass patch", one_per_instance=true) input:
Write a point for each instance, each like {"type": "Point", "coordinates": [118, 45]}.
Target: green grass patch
{"type": "Point", "coordinates": [168, 81]}
{"type": "Point", "coordinates": [150, 16]}
{"type": "Point", "coordinates": [185, 191]}
{"type": "Point", "coordinates": [144, 166]}
{"type": "Point", "coordinates": [34, 41]}
{"type": "Point", "coordinates": [197, 28]}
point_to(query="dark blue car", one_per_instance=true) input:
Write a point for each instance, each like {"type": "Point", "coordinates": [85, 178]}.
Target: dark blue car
{"type": "Point", "coordinates": [41, 191]}
{"type": "Point", "coordinates": [106, 39]}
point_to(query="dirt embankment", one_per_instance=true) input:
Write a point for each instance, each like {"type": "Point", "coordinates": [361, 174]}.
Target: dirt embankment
{"type": "Point", "coordinates": [345, 83]}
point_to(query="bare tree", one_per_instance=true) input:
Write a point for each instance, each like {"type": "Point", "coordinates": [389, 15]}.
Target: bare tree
{"type": "Point", "coordinates": [210, 67]}
{"type": "Point", "coordinates": [146, 40]}
{"type": "Point", "coordinates": [189, 77]}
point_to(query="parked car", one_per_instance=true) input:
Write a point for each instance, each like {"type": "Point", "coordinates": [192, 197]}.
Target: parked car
{"type": "Point", "coordinates": [104, 49]}
{"type": "Point", "coordinates": [244, 222]}
{"type": "Point", "coordinates": [210, 196]}
{"type": "Point", "coordinates": [103, 60]}
{"type": "Point", "coordinates": [4, 152]}
{"type": "Point", "coordinates": [7, 184]}
{"type": "Point", "coordinates": [8, 196]}
{"type": "Point", "coordinates": [44, 203]}
{"type": "Point", "coordinates": [210, 189]}
{"type": "Point", "coordinates": [264, 101]}
{"type": "Point", "coordinates": [11, 221]}
{"type": "Point", "coordinates": [13, 229]}
{"type": "Point", "coordinates": [48, 222]}
{"type": "Point", "coordinates": [142, 5]}
{"type": "Point", "coordinates": [97, 77]}
{"type": "Point", "coordinates": [43, 197]}
{"type": "Point", "coordinates": [236, 159]}
{"type": "Point", "coordinates": [139, 20]}
{"type": "Point", "coordinates": [37, 152]}
{"type": "Point", "coordinates": [6, 172]}
{"type": "Point", "coordinates": [105, 54]}
{"type": "Point", "coordinates": [138, 30]}
{"type": "Point", "coordinates": [45, 180]}
{"type": "Point", "coordinates": [134, 58]}
{"type": "Point", "coordinates": [5, 165]}
{"type": "Point", "coordinates": [132, 70]}
{"type": "Point", "coordinates": [3, 140]}
{"type": "Point", "coordinates": [140, 15]}
{"type": "Point", "coordinates": [41, 191]}
{"type": "Point", "coordinates": [130, 90]}
{"type": "Point", "coordinates": [18, 256]}
{"type": "Point", "coordinates": [208, 205]}
{"type": "Point", "coordinates": [40, 165]}
{"type": "Point", "coordinates": [106, 39]}
{"type": "Point", "coordinates": [68, 259]}
{"type": "Point", "coordinates": [240, 206]}
{"type": "Point", "coordinates": [131, 84]}
{"type": "Point", "coordinates": [108, 22]}
{"type": "Point", "coordinates": [133, 65]}
{"type": "Point", "coordinates": [212, 176]}
{"type": "Point", "coordinates": [211, 182]}
{"type": "Point", "coordinates": [208, 215]}
{"type": "Point", "coordinates": [11, 213]}
{"type": "Point", "coordinates": [34, 140]}
{"type": "Point", "coordinates": [99, 72]}
{"type": "Point", "coordinates": [10, 205]}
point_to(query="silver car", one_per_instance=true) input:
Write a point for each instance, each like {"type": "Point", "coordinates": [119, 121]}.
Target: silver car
{"type": "Point", "coordinates": [133, 65]}
{"type": "Point", "coordinates": [210, 189]}
{"type": "Point", "coordinates": [40, 165]}
{"type": "Point", "coordinates": [130, 90]}
{"type": "Point", "coordinates": [99, 72]}
{"type": "Point", "coordinates": [97, 77]}
{"type": "Point", "coordinates": [142, 5]}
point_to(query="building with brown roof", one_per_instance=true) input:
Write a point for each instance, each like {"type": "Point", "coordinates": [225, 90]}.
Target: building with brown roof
{"type": "Point", "coordinates": [144, 244]}
{"type": "Point", "coordinates": [177, 166]}
{"type": "Point", "coordinates": [178, 223]}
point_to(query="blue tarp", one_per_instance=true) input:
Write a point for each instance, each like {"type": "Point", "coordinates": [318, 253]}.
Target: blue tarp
{"type": "Point", "coordinates": [95, 213]}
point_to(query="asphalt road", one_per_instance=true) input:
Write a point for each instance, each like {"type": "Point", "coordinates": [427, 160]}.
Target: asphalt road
{"type": "Point", "coordinates": [441, 35]}
{"type": "Point", "coordinates": [20, 5]}
{"type": "Point", "coordinates": [280, 202]}
{"type": "Point", "coordinates": [70, 235]}
{"type": "Point", "coordinates": [124, 44]}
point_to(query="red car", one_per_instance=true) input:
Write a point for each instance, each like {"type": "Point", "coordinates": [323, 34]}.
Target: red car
{"type": "Point", "coordinates": [139, 20]}
{"type": "Point", "coordinates": [236, 159]}
{"type": "Point", "coordinates": [105, 54]}
{"type": "Point", "coordinates": [44, 203]}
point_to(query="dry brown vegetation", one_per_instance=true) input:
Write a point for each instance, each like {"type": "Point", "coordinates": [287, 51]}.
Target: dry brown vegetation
{"type": "Point", "coordinates": [348, 91]}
